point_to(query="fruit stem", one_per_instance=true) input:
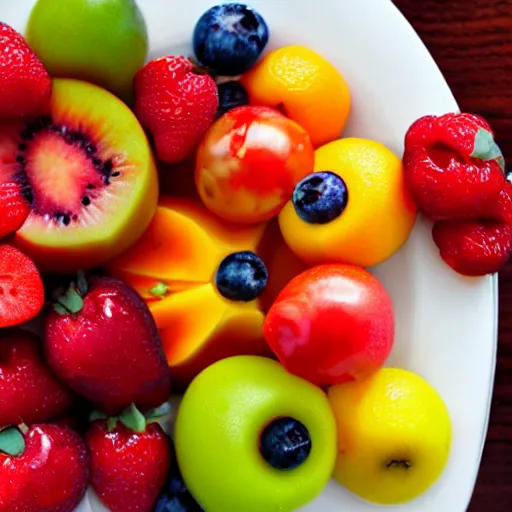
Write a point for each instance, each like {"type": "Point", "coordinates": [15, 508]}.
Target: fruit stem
{"type": "Point", "coordinates": [159, 290]}
{"type": "Point", "coordinates": [402, 463]}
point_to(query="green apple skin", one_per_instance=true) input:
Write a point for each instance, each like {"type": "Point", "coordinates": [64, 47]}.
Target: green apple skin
{"type": "Point", "coordinates": [102, 41]}
{"type": "Point", "coordinates": [217, 433]}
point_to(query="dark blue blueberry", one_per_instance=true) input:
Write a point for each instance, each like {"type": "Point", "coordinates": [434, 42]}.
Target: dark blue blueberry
{"type": "Point", "coordinates": [241, 276]}
{"type": "Point", "coordinates": [175, 496]}
{"type": "Point", "coordinates": [229, 38]}
{"type": "Point", "coordinates": [285, 443]}
{"type": "Point", "coordinates": [320, 197]}
{"type": "Point", "coordinates": [231, 95]}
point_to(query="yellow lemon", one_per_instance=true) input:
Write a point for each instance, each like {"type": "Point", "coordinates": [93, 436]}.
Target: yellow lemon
{"type": "Point", "coordinates": [394, 436]}
{"type": "Point", "coordinates": [376, 219]}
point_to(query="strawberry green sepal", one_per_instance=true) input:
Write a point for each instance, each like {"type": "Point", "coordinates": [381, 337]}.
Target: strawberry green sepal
{"type": "Point", "coordinates": [132, 418]}
{"type": "Point", "coordinates": [70, 301]}
{"type": "Point", "coordinates": [486, 149]}
{"type": "Point", "coordinates": [12, 441]}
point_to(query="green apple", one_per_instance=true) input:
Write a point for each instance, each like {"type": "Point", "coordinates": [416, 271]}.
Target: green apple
{"type": "Point", "coordinates": [101, 41]}
{"type": "Point", "coordinates": [252, 437]}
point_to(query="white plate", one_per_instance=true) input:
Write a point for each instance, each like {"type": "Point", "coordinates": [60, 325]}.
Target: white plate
{"type": "Point", "coordinates": [446, 324]}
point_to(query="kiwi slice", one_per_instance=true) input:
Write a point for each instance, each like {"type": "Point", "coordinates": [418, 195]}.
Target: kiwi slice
{"type": "Point", "coordinates": [87, 171]}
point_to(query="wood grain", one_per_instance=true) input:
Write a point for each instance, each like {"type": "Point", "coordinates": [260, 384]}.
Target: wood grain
{"type": "Point", "coordinates": [471, 40]}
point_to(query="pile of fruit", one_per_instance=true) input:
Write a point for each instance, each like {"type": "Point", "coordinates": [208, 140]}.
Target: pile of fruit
{"type": "Point", "coordinates": [199, 225]}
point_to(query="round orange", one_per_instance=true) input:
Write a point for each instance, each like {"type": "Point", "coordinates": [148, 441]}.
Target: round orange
{"type": "Point", "coordinates": [379, 215]}
{"type": "Point", "coordinates": [306, 87]}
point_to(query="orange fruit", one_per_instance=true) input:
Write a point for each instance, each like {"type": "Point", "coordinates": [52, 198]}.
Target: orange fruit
{"type": "Point", "coordinates": [306, 87]}
{"type": "Point", "coordinates": [173, 267]}
{"type": "Point", "coordinates": [379, 215]}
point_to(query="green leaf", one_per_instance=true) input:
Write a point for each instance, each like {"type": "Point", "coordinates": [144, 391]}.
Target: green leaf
{"type": "Point", "coordinates": [97, 415]}
{"type": "Point", "coordinates": [133, 419]}
{"type": "Point", "coordinates": [61, 310]}
{"type": "Point", "coordinates": [160, 290]}
{"type": "Point", "coordinates": [71, 302]}
{"type": "Point", "coordinates": [83, 285]}
{"type": "Point", "coordinates": [159, 412]}
{"type": "Point", "coordinates": [486, 149]}
{"type": "Point", "coordinates": [12, 441]}
{"type": "Point", "coordinates": [112, 423]}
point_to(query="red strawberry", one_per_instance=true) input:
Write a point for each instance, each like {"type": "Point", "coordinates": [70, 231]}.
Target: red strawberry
{"type": "Point", "coordinates": [453, 167]}
{"type": "Point", "coordinates": [175, 104]}
{"type": "Point", "coordinates": [128, 468]}
{"type": "Point", "coordinates": [21, 287]}
{"type": "Point", "coordinates": [14, 208]}
{"type": "Point", "coordinates": [102, 341]}
{"type": "Point", "coordinates": [473, 248]}
{"type": "Point", "coordinates": [25, 86]}
{"type": "Point", "coordinates": [29, 393]}
{"type": "Point", "coordinates": [44, 470]}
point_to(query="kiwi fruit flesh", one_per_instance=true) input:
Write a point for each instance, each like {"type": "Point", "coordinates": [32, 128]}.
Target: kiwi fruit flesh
{"type": "Point", "coordinates": [87, 171]}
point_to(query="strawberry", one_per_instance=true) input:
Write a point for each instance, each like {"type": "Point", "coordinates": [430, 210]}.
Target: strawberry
{"type": "Point", "coordinates": [14, 208]}
{"type": "Point", "coordinates": [42, 469]}
{"type": "Point", "coordinates": [25, 85]}
{"type": "Point", "coordinates": [21, 287]}
{"type": "Point", "coordinates": [102, 341]}
{"type": "Point", "coordinates": [29, 393]}
{"type": "Point", "coordinates": [129, 465]}
{"type": "Point", "coordinates": [176, 104]}
{"type": "Point", "coordinates": [453, 167]}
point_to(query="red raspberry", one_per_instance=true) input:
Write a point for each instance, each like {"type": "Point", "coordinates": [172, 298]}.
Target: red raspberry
{"type": "Point", "coordinates": [175, 104]}
{"type": "Point", "coordinates": [473, 248]}
{"type": "Point", "coordinates": [25, 85]}
{"type": "Point", "coordinates": [14, 209]}
{"type": "Point", "coordinates": [479, 247]}
{"type": "Point", "coordinates": [453, 167]}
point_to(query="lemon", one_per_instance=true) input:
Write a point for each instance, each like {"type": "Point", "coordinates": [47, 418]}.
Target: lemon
{"type": "Point", "coordinates": [394, 436]}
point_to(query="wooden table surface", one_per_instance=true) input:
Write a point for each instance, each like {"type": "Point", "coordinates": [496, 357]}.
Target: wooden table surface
{"type": "Point", "coordinates": [471, 40]}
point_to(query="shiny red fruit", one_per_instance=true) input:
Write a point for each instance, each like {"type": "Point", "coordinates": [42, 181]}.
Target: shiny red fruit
{"type": "Point", "coordinates": [453, 167]}
{"type": "Point", "coordinates": [473, 248]}
{"type": "Point", "coordinates": [51, 475]}
{"type": "Point", "coordinates": [128, 469]}
{"type": "Point", "coordinates": [14, 208]}
{"type": "Point", "coordinates": [29, 393]}
{"type": "Point", "coordinates": [331, 324]}
{"type": "Point", "coordinates": [176, 104]}
{"type": "Point", "coordinates": [21, 288]}
{"type": "Point", "coordinates": [249, 163]}
{"type": "Point", "coordinates": [25, 85]}
{"type": "Point", "coordinates": [104, 344]}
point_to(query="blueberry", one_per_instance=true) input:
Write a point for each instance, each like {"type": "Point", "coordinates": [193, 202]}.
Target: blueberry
{"type": "Point", "coordinates": [229, 38]}
{"type": "Point", "coordinates": [231, 95]}
{"type": "Point", "coordinates": [241, 276]}
{"type": "Point", "coordinates": [285, 443]}
{"type": "Point", "coordinates": [175, 497]}
{"type": "Point", "coordinates": [320, 197]}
